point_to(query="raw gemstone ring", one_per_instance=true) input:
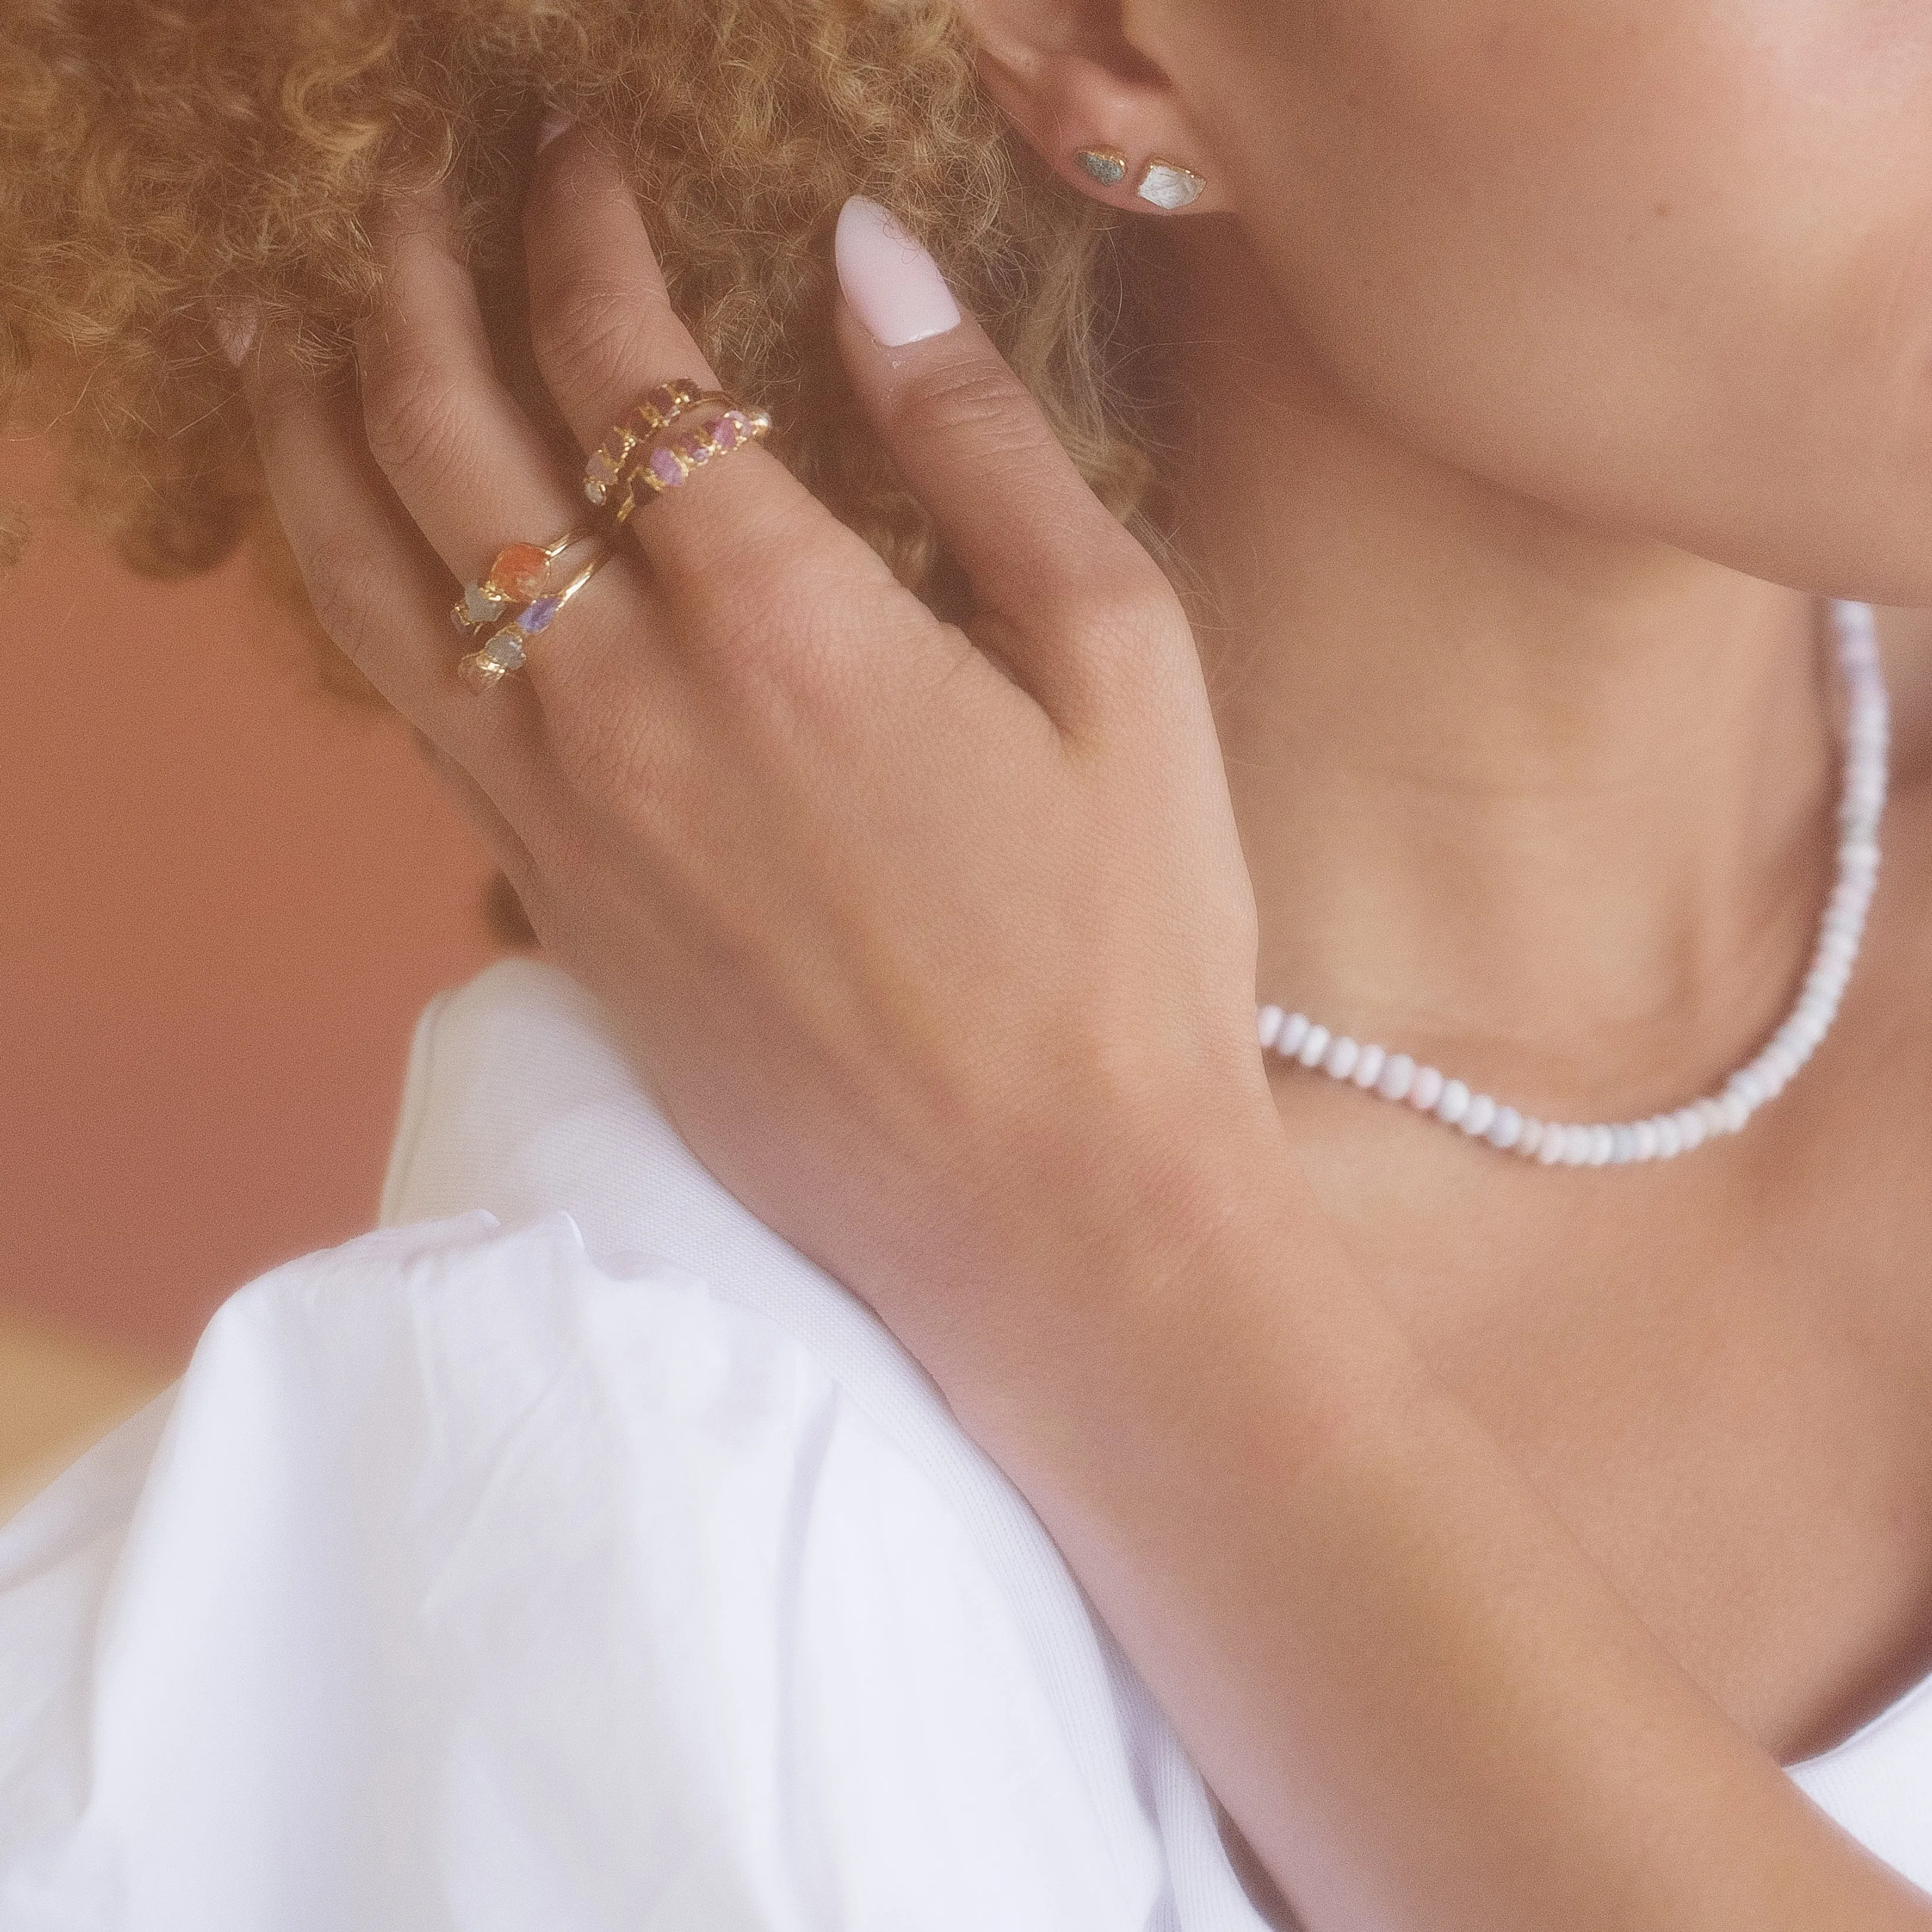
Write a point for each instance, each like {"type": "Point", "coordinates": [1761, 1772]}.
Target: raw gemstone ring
{"type": "Point", "coordinates": [657, 410]}
{"type": "Point", "coordinates": [519, 574]}
{"type": "Point", "coordinates": [501, 649]}
{"type": "Point", "coordinates": [667, 464]}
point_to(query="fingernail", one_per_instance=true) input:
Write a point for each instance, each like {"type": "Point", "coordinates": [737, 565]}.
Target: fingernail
{"type": "Point", "coordinates": [554, 123]}
{"type": "Point", "coordinates": [894, 285]}
{"type": "Point", "coordinates": [235, 331]}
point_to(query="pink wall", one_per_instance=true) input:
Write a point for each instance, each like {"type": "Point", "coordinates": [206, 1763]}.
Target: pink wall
{"type": "Point", "coordinates": [222, 900]}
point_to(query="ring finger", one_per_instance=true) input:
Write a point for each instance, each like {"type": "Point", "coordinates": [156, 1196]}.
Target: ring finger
{"type": "Point", "coordinates": [462, 456]}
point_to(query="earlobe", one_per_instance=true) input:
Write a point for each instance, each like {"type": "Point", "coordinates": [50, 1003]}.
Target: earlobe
{"type": "Point", "coordinates": [1056, 87]}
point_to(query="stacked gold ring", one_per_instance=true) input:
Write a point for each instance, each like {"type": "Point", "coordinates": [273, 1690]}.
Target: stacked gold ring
{"type": "Point", "coordinates": [636, 461]}
{"type": "Point", "coordinates": [513, 601]}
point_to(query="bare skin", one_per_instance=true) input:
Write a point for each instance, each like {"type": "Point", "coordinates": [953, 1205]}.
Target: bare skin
{"type": "Point", "coordinates": [1543, 800]}
{"type": "Point", "coordinates": [1489, 1532]}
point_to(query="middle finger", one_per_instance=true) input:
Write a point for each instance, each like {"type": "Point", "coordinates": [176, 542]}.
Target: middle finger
{"type": "Point", "coordinates": [605, 333]}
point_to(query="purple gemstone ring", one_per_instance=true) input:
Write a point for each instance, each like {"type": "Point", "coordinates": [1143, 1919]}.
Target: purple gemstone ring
{"type": "Point", "coordinates": [503, 641]}
{"type": "Point", "coordinates": [675, 429]}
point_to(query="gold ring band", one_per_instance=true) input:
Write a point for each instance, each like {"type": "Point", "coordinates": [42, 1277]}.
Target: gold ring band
{"type": "Point", "coordinates": [518, 574]}
{"type": "Point", "coordinates": [503, 646]}
{"type": "Point", "coordinates": [668, 464]}
{"type": "Point", "coordinates": [635, 462]}
{"type": "Point", "coordinates": [656, 411]}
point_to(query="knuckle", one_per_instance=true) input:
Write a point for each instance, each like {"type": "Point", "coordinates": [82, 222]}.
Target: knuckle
{"type": "Point", "coordinates": [347, 599]}
{"type": "Point", "coordinates": [586, 332]}
{"type": "Point", "coordinates": [1119, 604]}
{"type": "Point", "coordinates": [976, 399]}
{"type": "Point", "coordinates": [413, 418]}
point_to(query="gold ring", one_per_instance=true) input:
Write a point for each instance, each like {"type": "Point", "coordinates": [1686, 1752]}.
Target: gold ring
{"type": "Point", "coordinates": [518, 575]}
{"type": "Point", "coordinates": [658, 410]}
{"type": "Point", "coordinates": [502, 650]}
{"type": "Point", "coordinates": [666, 465]}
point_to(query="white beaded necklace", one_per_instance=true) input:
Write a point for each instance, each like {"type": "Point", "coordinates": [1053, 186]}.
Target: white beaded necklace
{"type": "Point", "coordinates": [1395, 1076]}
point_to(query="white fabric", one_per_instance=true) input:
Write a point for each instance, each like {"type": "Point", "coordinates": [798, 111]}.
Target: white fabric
{"type": "Point", "coordinates": [572, 1553]}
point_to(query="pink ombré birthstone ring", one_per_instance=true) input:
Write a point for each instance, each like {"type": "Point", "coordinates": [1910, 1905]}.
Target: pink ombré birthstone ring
{"type": "Point", "coordinates": [638, 460]}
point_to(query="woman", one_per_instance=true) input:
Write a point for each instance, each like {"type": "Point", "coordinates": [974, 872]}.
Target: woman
{"type": "Point", "coordinates": [1481, 1508]}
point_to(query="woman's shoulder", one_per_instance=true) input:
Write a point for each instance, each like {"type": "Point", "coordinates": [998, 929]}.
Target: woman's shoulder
{"type": "Point", "coordinates": [485, 1562]}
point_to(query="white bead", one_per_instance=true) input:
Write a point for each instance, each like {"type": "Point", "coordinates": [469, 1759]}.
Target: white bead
{"type": "Point", "coordinates": [1841, 934]}
{"type": "Point", "coordinates": [1398, 1077]}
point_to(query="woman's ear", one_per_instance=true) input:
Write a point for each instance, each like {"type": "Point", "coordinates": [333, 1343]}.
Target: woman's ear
{"type": "Point", "coordinates": [1103, 115]}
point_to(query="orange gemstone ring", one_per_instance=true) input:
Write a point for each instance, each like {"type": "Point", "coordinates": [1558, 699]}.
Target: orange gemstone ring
{"type": "Point", "coordinates": [526, 585]}
{"type": "Point", "coordinates": [520, 574]}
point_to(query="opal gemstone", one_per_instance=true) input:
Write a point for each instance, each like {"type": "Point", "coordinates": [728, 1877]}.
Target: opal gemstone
{"type": "Point", "coordinates": [535, 617]}
{"type": "Point", "coordinates": [518, 573]}
{"type": "Point", "coordinates": [599, 473]}
{"type": "Point", "coordinates": [478, 672]}
{"type": "Point", "coordinates": [479, 606]}
{"type": "Point", "coordinates": [1167, 184]}
{"type": "Point", "coordinates": [1106, 165]}
{"type": "Point", "coordinates": [667, 468]}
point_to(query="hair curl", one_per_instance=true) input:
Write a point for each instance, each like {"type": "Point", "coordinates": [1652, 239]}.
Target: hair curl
{"type": "Point", "coordinates": [165, 162]}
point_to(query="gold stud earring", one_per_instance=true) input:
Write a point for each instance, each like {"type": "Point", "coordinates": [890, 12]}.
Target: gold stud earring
{"type": "Point", "coordinates": [1107, 166]}
{"type": "Point", "coordinates": [1167, 184]}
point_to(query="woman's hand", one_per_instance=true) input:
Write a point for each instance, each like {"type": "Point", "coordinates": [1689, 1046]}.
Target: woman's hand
{"type": "Point", "coordinates": [930, 942]}
{"type": "Point", "coordinates": [938, 949]}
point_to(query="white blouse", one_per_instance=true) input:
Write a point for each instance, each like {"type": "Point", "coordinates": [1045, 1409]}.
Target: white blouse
{"type": "Point", "coordinates": [572, 1553]}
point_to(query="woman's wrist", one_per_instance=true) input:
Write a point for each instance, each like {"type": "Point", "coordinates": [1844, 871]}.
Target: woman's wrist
{"type": "Point", "coordinates": [1130, 1260]}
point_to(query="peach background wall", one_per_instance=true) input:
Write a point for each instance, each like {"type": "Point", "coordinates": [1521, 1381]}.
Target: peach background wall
{"type": "Point", "coordinates": [223, 899]}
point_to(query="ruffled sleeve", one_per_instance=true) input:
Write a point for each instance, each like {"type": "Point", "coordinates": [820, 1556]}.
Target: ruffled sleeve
{"type": "Point", "coordinates": [463, 1582]}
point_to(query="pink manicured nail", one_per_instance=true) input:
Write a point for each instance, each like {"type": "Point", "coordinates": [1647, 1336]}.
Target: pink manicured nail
{"type": "Point", "coordinates": [555, 122]}
{"type": "Point", "coordinates": [894, 285]}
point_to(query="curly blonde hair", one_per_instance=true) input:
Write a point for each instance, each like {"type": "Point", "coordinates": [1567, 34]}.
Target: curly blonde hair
{"type": "Point", "coordinates": [165, 162]}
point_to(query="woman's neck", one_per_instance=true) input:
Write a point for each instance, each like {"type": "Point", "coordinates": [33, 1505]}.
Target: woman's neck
{"type": "Point", "coordinates": [1551, 800]}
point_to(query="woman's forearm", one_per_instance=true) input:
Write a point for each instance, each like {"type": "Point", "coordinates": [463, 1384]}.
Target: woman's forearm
{"type": "Point", "coordinates": [1405, 1680]}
